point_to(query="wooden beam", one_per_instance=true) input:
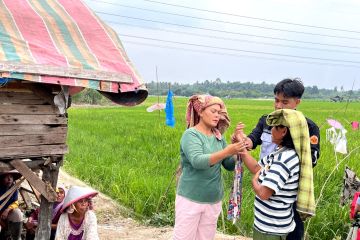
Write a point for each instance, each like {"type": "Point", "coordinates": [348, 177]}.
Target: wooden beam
{"type": "Point", "coordinates": [66, 72]}
{"type": "Point", "coordinates": [32, 140]}
{"type": "Point", "coordinates": [32, 119]}
{"type": "Point", "coordinates": [28, 109]}
{"type": "Point", "coordinates": [14, 129]}
{"type": "Point", "coordinates": [32, 151]}
{"type": "Point", "coordinates": [34, 165]}
{"type": "Point", "coordinates": [25, 101]}
{"type": "Point", "coordinates": [45, 189]}
{"type": "Point", "coordinates": [44, 228]}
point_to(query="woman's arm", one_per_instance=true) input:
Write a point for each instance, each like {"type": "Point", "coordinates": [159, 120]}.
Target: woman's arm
{"type": "Point", "coordinates": [250, 162]}
{"type": "Point", "coordinates": [263, 192]}
{"type": "Point", "coordinates": [193, 149]}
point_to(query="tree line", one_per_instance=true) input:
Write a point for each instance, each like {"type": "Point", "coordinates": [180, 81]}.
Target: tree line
{"type": "Point", "coordinates": [225, 90]}
{"type": "Point", "coordinates": [245, 90]}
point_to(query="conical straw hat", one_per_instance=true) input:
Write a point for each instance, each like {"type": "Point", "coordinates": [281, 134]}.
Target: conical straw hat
{"type": "Point", "coordinates": [14, 172]}
{"type": "Point", "coordinates": [77, 193]}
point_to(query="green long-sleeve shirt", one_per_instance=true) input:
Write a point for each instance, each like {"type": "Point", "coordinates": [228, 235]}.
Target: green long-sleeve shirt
{"type": "Point", "coordinates": [199, 181]}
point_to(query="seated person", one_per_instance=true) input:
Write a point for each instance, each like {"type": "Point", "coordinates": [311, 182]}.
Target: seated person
{"type": "Point", "coordinates": [32, 222]}
{"type": "Point", "coordinates": [77, 221]}
{"type": "Point", "coordinates": [10, 215]}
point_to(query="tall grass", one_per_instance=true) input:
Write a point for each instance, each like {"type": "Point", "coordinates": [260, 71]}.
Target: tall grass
{"type": "Point", "coordinates": [131, 155]}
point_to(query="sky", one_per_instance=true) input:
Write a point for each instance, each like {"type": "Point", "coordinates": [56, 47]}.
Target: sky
{"type": "Point", "coordinates": [239, 40]}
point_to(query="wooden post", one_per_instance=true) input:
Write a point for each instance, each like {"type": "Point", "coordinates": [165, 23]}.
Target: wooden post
{"type": "Point", "coordinates": [50, 174]}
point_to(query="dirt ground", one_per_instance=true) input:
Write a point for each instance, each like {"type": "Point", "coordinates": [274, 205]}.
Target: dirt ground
{"type": "Point", "coordinates": [113, 223]}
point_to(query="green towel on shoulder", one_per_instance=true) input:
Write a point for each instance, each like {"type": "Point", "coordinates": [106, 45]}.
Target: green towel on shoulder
{"type": "Point", "coordinates": [299, 132]}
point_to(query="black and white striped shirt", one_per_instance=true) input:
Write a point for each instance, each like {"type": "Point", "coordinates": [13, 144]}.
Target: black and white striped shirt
{"type": "Point", "coordinates": [280, 172]}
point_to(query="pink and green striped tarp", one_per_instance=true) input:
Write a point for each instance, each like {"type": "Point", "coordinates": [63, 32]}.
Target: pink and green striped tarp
{"type": "Point", "coordinates": [64, 42]}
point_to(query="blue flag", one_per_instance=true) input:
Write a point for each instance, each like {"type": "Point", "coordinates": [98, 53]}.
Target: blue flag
{"type": "Point", "coordinates": [169, 110]}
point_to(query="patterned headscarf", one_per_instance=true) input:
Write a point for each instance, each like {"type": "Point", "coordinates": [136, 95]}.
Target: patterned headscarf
{"type": "Point", "coordinates": [297, 124]}
{"type": "Point", "coordinates": [198, 103]}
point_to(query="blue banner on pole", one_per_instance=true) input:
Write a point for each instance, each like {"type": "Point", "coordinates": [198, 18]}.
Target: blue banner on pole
{"type": "Point", "coordinates": [169, 110]}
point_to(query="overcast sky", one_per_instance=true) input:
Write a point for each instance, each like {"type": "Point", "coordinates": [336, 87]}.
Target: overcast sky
{"type": "Point", "coordinates": [240, 40]}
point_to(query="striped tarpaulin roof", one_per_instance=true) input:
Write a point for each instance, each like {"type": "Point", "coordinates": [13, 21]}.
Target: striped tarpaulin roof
{"type": "Point", "coordinates": [64, 42]}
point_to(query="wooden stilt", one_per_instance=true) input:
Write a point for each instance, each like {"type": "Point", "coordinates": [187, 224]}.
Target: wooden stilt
{"type": "Point", "coordinates": [50, 174]}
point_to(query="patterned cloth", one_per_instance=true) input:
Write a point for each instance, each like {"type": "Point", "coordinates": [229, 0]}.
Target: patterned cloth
{"type": "Point", "coordinates": [198, 103]}
{"type": "Point", "coordinates": [234, 210]}
{"type": "Point", "coordinates": [299, 131]}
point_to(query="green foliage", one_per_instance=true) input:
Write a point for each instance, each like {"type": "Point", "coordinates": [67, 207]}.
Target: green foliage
{"type": "Point", "coordinates": [131, 155]}
{"type": "Point", "coordinates": [89, 96]}
{"type": "Point", "coordinates": [244, 90]}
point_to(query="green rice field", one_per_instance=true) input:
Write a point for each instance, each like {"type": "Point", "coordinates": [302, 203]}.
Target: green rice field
{"type": "Point", "coordinates": [131, 155]}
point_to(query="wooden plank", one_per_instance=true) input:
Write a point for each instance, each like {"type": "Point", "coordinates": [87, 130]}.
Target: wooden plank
{"type": "Point", "coordinates": [32, 140]}
{"type": "Point", "coordinates": [15, 130]}
{"type": "Point", "coordinates": [32, 151]}
{"type": "Point", "coordinates": [10, 95]}
{"type": "Point", "coordinates": [25, 196]}
{"type": "Point", "coordinates": [32, 119]}
{"type": "Point", "coordinates": [20, 98]}
{"type": "Point", "coordinates": [42, 91]}
{"type": "Point", "coordinates": [25, 101]}
{"type": "Point", "coordinates": [28, 109]}
{"type": "Point", "coordinates": [45, 189]}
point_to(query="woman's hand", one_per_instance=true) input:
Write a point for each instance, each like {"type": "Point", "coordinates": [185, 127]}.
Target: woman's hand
{"type": "Point", "coordinates": [239, 132]}
{"type": "Point", "coordinates": [235, 148]}
{"type": "Point", "coordinates": [228, 151]}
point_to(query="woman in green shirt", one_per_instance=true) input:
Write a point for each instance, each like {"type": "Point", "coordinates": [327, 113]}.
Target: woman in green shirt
{"type": "Point", "coordinates": [203, 151]}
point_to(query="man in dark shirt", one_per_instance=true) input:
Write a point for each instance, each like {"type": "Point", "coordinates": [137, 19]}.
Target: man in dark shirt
{"type": "Point", "coordinates": [288, 93]}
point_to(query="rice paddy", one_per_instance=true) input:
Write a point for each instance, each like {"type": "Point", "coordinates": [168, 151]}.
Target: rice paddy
{"type": "Point", "coordinates": [132, 156]}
